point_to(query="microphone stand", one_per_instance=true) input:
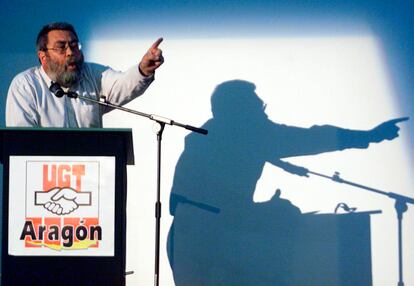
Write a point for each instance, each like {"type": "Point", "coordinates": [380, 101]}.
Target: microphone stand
{"type": "Point", "coordinates": [161, 121]}
{"type": "Point", "coordinates": [401, 206]}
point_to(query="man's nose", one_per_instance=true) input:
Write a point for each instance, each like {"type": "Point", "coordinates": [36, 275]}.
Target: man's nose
{"type": "Point", "coordinates": [69, 51]}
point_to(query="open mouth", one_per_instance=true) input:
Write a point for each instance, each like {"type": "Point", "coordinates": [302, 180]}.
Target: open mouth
{"type": "Point", "coordinates": [72, 66]}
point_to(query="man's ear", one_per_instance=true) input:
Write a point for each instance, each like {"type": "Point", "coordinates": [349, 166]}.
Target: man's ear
{"type": "Point", "coordinates": [42, 57]}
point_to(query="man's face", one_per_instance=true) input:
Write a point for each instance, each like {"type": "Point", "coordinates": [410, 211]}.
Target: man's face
{"type": "Point", "coordinates": [62, 60]}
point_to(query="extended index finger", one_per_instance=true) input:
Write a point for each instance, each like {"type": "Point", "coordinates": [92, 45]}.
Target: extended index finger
{"type": "Point", "coordinates": [156, 44]}
{"type": "Point", "coordinates": [397, 120]}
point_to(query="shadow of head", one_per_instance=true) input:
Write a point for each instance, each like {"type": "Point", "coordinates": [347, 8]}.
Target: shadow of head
{"type": "Point", "coordinates": [236, 99]}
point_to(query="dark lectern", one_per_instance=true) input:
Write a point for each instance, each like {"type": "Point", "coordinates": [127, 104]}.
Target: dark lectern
{"type": "Point", "coordinates": [67, 270]}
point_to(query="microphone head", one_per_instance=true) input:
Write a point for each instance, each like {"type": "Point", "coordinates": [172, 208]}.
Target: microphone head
{"type": "Point", "coordinates": [72, 94]}
{"type": "Point", "coordinates": [56, 89]}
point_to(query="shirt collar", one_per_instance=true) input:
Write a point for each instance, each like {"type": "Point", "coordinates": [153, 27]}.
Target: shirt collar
{"type": "Point", "coordinates": [46, 78]}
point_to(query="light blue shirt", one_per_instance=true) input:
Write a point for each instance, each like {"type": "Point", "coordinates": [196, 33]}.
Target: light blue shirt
{"type": "Point", "coordinates": [30, 103]}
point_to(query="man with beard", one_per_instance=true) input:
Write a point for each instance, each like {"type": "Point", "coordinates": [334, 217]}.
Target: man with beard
{"type": "Point", "coordinates": [30, 103]}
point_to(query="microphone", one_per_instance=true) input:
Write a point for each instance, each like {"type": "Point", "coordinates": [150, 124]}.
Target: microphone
{"type": "Point", "coordinates": [56, 89]}
{"type": "Point", "coordinates": [71, 94]}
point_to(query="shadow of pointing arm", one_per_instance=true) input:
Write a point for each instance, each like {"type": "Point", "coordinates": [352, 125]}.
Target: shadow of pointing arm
{"type": "Point", "coordinates": [327, 138]}
{"type": "Point", "coordinates": [387, 130]}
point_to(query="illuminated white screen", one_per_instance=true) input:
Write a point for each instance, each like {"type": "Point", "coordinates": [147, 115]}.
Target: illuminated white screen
{"type": "Point", "coordinates": [340, 81]}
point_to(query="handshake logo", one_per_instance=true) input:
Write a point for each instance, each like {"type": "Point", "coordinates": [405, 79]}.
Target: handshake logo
{"type": "Point", "coordinates": [62, 201]}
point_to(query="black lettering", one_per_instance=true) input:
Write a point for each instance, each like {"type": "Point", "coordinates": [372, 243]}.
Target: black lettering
{"type": "Point", "coordinates": [42, 229]}
{"type": "Point", "coordinates": [67, 235]}
{"type": "Point", "coordinates": [28, 229]}
{"type": "Point", "coordinates": [53, 233]}
{"type": "Point", "coordinates": [81, 232]}
{"type": "Point", "coordinates": [96, 229]}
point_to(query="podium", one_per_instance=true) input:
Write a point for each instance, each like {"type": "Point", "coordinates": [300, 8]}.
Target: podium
{"type": "Point", "coordinates": [58, 227]}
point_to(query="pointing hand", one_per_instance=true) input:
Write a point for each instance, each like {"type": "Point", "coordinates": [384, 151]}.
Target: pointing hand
{"type": "Point", "coordinates": [152, 60]}
{"type": "Point", "coordinates": [387, 130]}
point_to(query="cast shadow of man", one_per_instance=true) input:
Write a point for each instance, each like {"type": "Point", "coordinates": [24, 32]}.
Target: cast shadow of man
{"type": "Point", "coordinates": [219, 236]}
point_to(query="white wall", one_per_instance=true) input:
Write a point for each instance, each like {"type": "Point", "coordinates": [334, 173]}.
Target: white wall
{"type": "Point", "coordinates": [341, 81]}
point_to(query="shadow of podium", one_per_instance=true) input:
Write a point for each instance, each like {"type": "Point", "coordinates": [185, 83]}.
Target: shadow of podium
{"type": "Point", "coordinates": [299, 249]}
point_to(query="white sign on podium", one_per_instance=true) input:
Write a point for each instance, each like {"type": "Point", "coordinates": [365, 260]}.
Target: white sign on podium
{"type": "Point", "coordinates": [61, 206]}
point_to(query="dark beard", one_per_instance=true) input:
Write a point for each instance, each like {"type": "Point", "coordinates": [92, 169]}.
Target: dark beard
{"type": "Point", "coordinates": [61, 75]}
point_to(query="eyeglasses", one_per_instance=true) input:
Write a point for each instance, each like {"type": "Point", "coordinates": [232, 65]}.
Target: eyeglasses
{"type": "Point", "coordinates": [61, 47]}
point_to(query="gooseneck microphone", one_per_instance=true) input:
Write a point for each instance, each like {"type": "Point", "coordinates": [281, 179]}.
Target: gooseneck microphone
{"type": "Point", "coordinates": [57, 90]}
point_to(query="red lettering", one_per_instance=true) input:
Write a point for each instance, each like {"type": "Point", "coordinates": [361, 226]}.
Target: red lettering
{"type": "Point", "coordinates": [49, 180]}
{"type": "Point", "coordinates": [62, 176]}
{"type": "Point", "coordinates": [78, 171]}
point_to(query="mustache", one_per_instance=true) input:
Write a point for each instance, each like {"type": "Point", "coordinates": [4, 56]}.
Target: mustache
{"type": "Point", "coordinates": [74, 61]}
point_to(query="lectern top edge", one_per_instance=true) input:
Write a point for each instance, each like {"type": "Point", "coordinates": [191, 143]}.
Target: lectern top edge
{"type": "Point", "coordinates": [65, 129]}
{"type": "Point", "coordinates": [124, 133]}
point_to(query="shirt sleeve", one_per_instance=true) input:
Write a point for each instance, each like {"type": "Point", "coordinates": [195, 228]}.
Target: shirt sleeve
{"type": "Point", "coordinates": [122, 87]}
{"type": "Point", "coordinates": [21, 104]}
